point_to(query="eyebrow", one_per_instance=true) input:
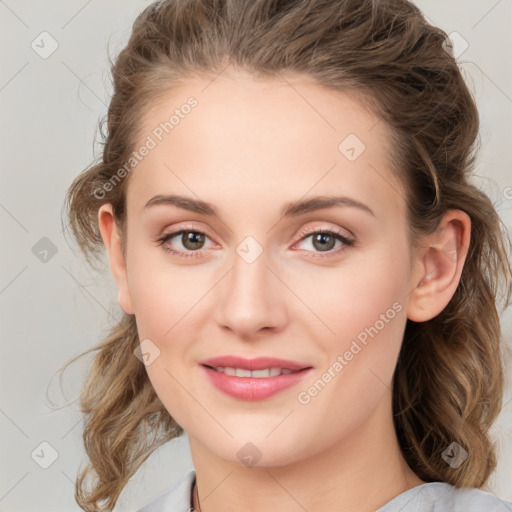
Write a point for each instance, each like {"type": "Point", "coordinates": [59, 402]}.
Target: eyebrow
{"type": "Point", "coordinates": [291, 209]}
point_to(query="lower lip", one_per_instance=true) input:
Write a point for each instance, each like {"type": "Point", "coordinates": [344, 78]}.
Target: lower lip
{"type": "Point", "coordinates": [253, 388]}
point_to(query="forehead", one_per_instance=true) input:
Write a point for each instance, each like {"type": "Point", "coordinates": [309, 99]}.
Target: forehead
{"type": "Point", "coordinates": [261, 138]}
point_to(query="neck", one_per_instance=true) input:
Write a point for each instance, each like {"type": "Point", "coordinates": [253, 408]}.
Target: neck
{"type": "Point", "coordinates": [362, 472]}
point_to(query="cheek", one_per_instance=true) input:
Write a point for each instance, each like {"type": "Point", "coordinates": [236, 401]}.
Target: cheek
{"type": "Point", "coordinates": [164, 294]}
{"type": "Point", "coordinates": [167, 302]}
{"type": "Point", "coordinates": [364, 308]}
{"type": "Point", "coordinates": [377, 311]}
{"type": "Point", "coordinates": [353, 296]}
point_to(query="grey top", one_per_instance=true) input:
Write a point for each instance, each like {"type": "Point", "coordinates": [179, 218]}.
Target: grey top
{"type": "Point", "coordinates": [429, 497]}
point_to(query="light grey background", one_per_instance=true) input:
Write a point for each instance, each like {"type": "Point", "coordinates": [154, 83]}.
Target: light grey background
{"type": "Point", "coordinates": [51, 311]}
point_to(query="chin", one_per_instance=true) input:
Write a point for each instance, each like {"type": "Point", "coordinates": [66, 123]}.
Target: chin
{"type": "Point", "coordinates": [256, 449]}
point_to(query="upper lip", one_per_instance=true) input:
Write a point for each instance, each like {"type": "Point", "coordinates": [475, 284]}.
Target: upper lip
{"type": "Point", "coordinates": [259, 363]}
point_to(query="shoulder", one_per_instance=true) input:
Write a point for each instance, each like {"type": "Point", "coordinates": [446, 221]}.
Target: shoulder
{"type": "Point", "coordinates": [443, 497]}
{"type": "Point", "coordinates": [429, 497]}
{"type": "Point", "coordinates": [175, 499]}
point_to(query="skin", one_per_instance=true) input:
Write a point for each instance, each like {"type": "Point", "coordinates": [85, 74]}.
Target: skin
{"type": "Point", "coordinates": [249, 147]}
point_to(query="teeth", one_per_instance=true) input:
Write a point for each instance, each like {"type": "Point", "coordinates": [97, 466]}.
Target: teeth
{"type": "Point", "coordinates": [241, 372]}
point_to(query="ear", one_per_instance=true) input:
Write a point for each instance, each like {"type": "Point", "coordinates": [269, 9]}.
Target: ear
{"type": "Point", "coordinates": [112, 241]}
{"type": "Point", "coordinates": [439, 264]}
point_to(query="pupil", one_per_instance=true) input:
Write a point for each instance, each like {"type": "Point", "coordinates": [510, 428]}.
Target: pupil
{"type": "Point", "coordinates": [192, 239]}
{"type": "Point", "coordinates": [320, 237]}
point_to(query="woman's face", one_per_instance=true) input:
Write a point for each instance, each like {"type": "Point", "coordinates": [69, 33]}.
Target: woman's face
{"type": "Point", "coordinates": [250, 281]}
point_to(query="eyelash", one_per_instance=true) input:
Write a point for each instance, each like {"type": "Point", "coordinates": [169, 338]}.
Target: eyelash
{"type": "Point", "coordinates": [303, 234]}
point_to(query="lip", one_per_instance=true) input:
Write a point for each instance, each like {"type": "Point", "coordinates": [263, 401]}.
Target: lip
{"type": "Point", "coordinates": [258, 363]}
{"type": "Point", "coordinates": [253, 388]}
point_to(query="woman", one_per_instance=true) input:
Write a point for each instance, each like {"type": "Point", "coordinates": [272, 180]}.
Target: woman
{"type": "Point", "coordinates": [309, 280]}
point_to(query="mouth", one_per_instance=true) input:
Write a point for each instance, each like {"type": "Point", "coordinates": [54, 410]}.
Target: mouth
{"type": "Point", "coordinates": [259, 363]}
{"type": "Point", "coordinates": [264, 373]}
{"type": "Point", "coordinates": [253, 379]}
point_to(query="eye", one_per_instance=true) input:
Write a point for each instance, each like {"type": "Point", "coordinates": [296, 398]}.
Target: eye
{"type": "Point", "coordinates": [324, 240]}
{"type": "Point", "coordinates": [191, 239]}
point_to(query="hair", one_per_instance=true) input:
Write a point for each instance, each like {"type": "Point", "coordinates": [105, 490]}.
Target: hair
{"type": "Point", "coordinates": [449, 379]}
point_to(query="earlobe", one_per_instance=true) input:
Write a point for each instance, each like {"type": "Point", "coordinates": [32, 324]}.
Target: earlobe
{"type": "Point", "coordinates": [112, 242]}
{"type": "Point", "coordinates": [440, 263]}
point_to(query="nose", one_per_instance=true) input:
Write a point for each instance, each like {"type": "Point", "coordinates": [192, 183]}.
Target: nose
{"type": "Point", "coordinates": [252, 297]}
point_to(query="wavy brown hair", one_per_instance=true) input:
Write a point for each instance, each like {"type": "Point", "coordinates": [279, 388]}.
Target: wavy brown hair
{"type": "Point", "coordinates": [449, 379]}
